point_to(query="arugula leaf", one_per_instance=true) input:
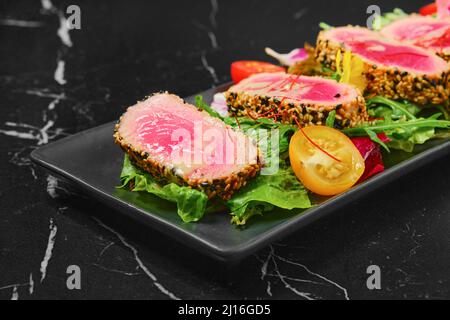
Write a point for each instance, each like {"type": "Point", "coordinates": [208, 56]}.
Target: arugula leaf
{"type": "Point", "coordinates": [374, 137]}
{"type": "Point", "coordinates": [265, 192]}
{"type": "Point", "coordinates": [405, 132]}
{"type": "Point", "coordinates": [330, 119]}
{"type": "Point", "coordinates": [406, 109]}
{"type": "Point", "coordinates": [191, 203]}
{"type": "Point", "coordinates": [400, 122]}
{"type": "Point", "coordinates": [382, 126]}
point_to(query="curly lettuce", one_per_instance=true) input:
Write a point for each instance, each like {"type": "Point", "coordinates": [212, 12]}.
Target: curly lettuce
{"type": "Point", "coordinates": [191, 203]}
{"type": "Point", "coordinates": [282, 190]}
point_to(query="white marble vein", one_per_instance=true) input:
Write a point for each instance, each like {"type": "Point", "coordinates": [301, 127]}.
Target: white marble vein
{"type": "Point", "coordinates": [302, 294]}
{"type": "Point", "coordinates": [59, 72]}
{"type": "Point", "coordinates": [44, 93]}
{"type": "Point", "coordinates": [42, 135]}
{"type": "Point", "coordinates": [210, 69]}
{"type": "Point", "coordinates": [273, 260]}
{"type": "Point", "coordinates": [213, 39]}
{"type": "Point", "coordinates": [300, 13]}
{"type": "Point", "coordinates": [31, 284]}
{"type": "Point", "coordinates": [52, 185]}
{"type": "Point", "coordinates": [63, 30]}
{"type": "Point", "coordinates": [213, 13]}
{"type": "Point", "coordinates": [15, 294]}
{"type": "Point", "coordinates": [264, 266]}
{"type": "Point", "coordinates": [48, 252]}
{"type": "Point", "coordinates": [20, 23]}
{"type": "Point", "coordinates": [29, 132]}
{"type": "Point", "coordinates": [21, 158]}
{"type": "Point", "coordinates": [141, 265]}
{"type": "Point", "coordinates": [125, 273]}
{"type": "Point", "coordinates": [211, 35]}
{"type": "Point", "coordinates": [109, 245]}
{"type": "Point", "coordinates": [47, 5]}
{"type": "Point", "coordinates": [11, 286]}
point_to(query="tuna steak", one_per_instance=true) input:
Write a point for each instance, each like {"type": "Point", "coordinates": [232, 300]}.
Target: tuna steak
{"type": "Point", "coordinates": [425, 32]}
{"type": "Point", "coordinates": [176, 142]}
{"type": "Point", "coordinates": [394, 70]}
{"type": "Point", "coordinates": [289, 98]}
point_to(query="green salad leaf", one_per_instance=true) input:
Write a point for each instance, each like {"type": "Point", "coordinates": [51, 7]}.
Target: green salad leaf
{"type": "Point", "coordinates": [191, 203]}
{"type": "Point", "coordinates": [330, 119]}
{"type": "Point", "coordinates": [383, 20]}
{"type": "Point", "coordinates": [400, 121]}
{"type": "Point", "coordinates": [264, 193]}
{"type": "Point", "coordinates": [206, 107]}
{"type": "Point", "coordinates": [325, 26]}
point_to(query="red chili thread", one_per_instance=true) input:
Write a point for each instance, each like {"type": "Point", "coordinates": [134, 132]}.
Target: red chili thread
{"type": "Point", "coordinates": [315, 144]}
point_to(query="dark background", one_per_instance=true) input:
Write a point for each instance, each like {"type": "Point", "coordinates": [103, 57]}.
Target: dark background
{"type": "Point", "coordinates": [127, 49]}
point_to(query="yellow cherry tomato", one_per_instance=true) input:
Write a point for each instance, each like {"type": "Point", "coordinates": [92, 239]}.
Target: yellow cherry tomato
{"type": "Point", "coordinates": [325, 160]}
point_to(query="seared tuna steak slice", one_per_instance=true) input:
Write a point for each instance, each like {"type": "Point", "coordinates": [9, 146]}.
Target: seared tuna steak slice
{"type": "Point", "coordinates": [290, 98]}
{"type": "Point", "coordinates": [176, 142]}
{"type": "Point", "coordinates": [425, 32]}
{"type": "Point", "coordinates": [394, 70]}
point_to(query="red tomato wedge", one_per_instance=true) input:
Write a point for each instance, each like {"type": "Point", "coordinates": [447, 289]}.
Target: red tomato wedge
{"type": "Point", "coordinates": [428, 10]}
{"type": "Point", "coordinates": [245, 68]}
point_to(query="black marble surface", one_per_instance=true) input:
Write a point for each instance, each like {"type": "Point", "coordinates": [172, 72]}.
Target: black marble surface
{"type": "Point", "coordinates": [53, 85]}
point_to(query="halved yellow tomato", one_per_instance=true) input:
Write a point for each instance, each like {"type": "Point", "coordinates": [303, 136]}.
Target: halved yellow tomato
{"type": "Point", "coordinates": [325, 160]}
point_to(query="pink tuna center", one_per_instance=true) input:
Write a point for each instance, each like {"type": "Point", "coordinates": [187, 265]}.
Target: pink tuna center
{"type": "Point", "coordinates": [437, 42]}
{"type": "Point", "coordinates": [197, 147]}
{"type": "Point", "coordinates": [393, 55]}
{"type": "Point", "coordinates": [414, 31]}
{"type": "Point", "coordinates": [296, 88]}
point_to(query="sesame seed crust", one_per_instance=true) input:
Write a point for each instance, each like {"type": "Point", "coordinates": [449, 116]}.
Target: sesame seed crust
{"type": "Point", "coordinates": [391, 82]}
{"type": "Point", "coordinates": [242, 104]}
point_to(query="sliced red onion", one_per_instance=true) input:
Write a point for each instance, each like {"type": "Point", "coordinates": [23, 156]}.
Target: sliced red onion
{"type": "Point", "coordinates": [219, 104]}
{"type": "Point", "coordinates": [288, 59]}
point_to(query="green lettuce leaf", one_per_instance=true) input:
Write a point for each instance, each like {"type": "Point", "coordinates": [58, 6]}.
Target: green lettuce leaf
{"type": "Point", "coordinates": [330, 119]}
{"type": "Point", "coordinates": [191, 203]}
{"type": "Point", "coordinates": [265, 192]}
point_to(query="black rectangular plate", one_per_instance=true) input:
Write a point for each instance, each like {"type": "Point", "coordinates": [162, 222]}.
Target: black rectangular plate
{"type": "Point", "coordinates": [93, 162]}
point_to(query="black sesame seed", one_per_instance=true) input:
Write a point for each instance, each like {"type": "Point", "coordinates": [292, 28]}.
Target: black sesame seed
{"type": "Point", "coordinates": [338, 125]}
